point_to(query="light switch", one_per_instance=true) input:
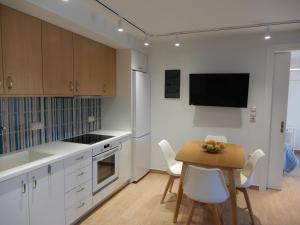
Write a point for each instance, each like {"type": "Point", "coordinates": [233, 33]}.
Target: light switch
{"type": "Point", "coordinates": [252, 114]}
{"type": "Point", "coordinates": [91, 119]}
{"type": "Point", "coordinates": [37, 126]}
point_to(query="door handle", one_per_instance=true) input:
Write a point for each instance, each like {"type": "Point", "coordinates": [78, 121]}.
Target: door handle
{"type": "Point", "coordinates": [71, 86]}
{"type": "Point", "coordinates": [23, 187]}
{"type": "Point", "coordinates": [34, 183]}
{"type": "Point", "coordinates": [282, 127]}
{"type": "Point", "coordinates": [9, 82]}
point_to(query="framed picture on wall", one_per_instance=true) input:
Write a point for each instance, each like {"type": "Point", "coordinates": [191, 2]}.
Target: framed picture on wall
{"type": "Point", "coordinates": [172, 83]}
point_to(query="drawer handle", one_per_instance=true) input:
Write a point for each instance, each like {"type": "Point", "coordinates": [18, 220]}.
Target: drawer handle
{"type": "Point", "coordinates": [80, 174]}
{"type": "Point", "coordinates": [80, 190]}
{"type": "Point", "coordinates": [82, 204]}
{"type": "Point", "coordinates": [80, 158]}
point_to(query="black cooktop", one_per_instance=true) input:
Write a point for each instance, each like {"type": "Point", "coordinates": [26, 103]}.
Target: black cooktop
{"type": "Point", "coordinates": [88, 138]}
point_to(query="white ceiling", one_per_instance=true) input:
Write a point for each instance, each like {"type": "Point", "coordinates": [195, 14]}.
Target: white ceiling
{"type": "Point", "coordinates": [295, 59]}
{"type": "Point", "coordinates": [167, 16]}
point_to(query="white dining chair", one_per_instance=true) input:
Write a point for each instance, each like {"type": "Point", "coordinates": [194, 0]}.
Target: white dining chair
{"type": "Point", "coordinates": [174, 167]}
{"type": "Point", "coordinates": [216, 138]}
{"type": "Point", "coordinates": [205, 186]}
{"type": "Point", "coordinates": [244, 178]}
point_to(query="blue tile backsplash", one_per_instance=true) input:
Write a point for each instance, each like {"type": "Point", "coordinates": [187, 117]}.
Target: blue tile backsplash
{"type": "Point", "coordinates": [61, 118]}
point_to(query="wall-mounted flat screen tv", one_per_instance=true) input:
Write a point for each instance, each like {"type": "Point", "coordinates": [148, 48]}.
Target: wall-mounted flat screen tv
{"type": "Point", "coordinates": [219, 89]}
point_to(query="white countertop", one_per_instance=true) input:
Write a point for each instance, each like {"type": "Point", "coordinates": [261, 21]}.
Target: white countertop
{"type": "Point", "coordinates": [59, 150]}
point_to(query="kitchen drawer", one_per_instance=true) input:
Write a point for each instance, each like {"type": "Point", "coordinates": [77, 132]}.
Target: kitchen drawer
{"type": "Point", "coordinates": [77, 210]}
{"type": "Point", "coordinates": [79, 193]}
{"type": "Point", "coordinates": [78, 161]}
{"type": "Point", "coordinates": [78, 177]}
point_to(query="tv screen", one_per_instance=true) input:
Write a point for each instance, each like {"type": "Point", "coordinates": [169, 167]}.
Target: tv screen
{"type": "Point", "coordinates": [228, 90]}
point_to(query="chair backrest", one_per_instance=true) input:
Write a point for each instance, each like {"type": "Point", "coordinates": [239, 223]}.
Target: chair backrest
{"type": "Point", "coordinates": [205, 185]}
{"type": "Point", "coordinates": [250, 165]}
{"type": "Point", "coordinates": [168, 153]}
{"type": "Point", "coordinates": [216, 138]}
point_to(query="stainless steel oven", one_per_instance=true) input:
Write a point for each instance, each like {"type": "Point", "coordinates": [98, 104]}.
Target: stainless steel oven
{"type": "Point", "coordinates": [105, 166]}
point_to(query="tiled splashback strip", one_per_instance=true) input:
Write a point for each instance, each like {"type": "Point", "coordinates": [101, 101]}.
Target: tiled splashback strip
{"type": "Point", "coordinates": [60, 118]}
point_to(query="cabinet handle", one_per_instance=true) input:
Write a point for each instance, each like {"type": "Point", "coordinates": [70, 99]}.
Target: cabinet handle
{"type": "Point", "coordinates": [23, 187]}
{"type": "Point", "coordinates": [82, 204]}
{"type": "Point", "coordinates": [71, 86]}
{"type": "Point", "coordinates": [104, 88]}
{"type": "Point", "coordinates": [49, 169]}
{"type": "Point", "coordinates": [80, 158]}
{"type": "Point", "coordinates": [80, 174]}
{"type": "Point", "coordinates": [34, 183]}
{"type": "Point", "coordinates": [80, 190]}
{"type": "Point", "coordinates": [9, 82]}
{"type": "Point", "coordinates": [77, 86]}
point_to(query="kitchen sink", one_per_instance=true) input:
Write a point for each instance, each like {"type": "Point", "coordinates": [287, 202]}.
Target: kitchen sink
{"type": "Point", "coordinates": [13, 160]}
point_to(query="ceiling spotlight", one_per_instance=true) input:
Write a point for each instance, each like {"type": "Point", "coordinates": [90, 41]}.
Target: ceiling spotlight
{"type": "Point", "coordinates": [65, 0]}
{"type": "Point", "coordinates": [120, 25]}
{"type": "Point", "coordinates": [268, 33]}
{"type": "Point", "coordinates": [146, 42]}
{"type": "Point", "coordinates": [177, 42]}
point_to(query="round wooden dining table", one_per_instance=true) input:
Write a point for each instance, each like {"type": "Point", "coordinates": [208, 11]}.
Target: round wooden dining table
{"type": "Point", "coordinates": [230, 159]}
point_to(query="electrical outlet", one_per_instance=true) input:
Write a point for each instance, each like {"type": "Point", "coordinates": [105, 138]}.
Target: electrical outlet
{"type": "Point", "coordinates": [252, 115]}
{"type": "Point", "coordinates": [37, 126]}
{"type": "Point", "coordinates": [91, 119]}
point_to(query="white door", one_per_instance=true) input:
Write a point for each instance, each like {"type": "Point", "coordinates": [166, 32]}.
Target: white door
{"type": "Point", "coordinates": [14, 201]}
{"type": "Point", "coordinates": [141, 157]}
{"type": "Point", "coordinates": [279, 112]}
{"type": "Point", "coordinates": [46, 195]}
{"type": "Point", "coordinates": [141, 102]}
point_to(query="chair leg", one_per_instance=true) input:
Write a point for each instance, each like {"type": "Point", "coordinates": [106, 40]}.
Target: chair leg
{"type": "Point", "coordinates": [171, 185]}
{"type": "Point", "coordinates": [244, 190]}
{"type": "Point", "coordinates": [166, 189]}
{"type": "Point", "coordinates": [191, 212]}
{"type": "Point", "coordinates": [216, 215]}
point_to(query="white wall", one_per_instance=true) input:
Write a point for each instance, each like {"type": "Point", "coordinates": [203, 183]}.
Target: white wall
{"type": "Point", "coordinates": [178, 122]}
{"type": "Point", "coordinates": [293, 110]}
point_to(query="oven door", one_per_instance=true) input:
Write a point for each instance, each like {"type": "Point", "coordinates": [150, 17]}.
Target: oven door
{"type": "Point", "coordinates": [105, 169]}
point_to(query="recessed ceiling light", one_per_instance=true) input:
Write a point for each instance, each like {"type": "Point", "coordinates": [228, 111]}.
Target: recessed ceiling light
{"type": "Point", "coordinates": [146, 42]}
{"type": "Point", "coordinates": [65, 0]}
{"type": "Point", "coordinates": [177, 42]}
{"type": "Point", "coordinates": [295, 69]}
{"type": "Point", "coordinates": [268, 33]}
{"type": "Point", "coordinates": [120, 25]}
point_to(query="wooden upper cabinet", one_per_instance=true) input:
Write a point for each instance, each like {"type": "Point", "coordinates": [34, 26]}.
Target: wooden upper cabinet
{"type": "Point", "coordinates": [1, 65]}
{"type": "Point", "coordinates": [22, 53]}
{"type": "Point", "coordinates": [109, 82]}
{"type": "Point", "coordinates": [89, 68]}
{"type": "Point", "coordinates": [57, 61]}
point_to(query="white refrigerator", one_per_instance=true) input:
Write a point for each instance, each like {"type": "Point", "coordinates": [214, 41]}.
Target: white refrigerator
{"type": "Point", "coordinates": [141, 124]}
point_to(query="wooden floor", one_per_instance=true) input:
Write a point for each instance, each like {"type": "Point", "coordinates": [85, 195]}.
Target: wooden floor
{"type": "Point", "coordinates": [139, 204]}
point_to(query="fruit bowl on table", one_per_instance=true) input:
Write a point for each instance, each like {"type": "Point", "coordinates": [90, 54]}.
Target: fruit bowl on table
{"type": "Point", "coordinates": [212, 146]}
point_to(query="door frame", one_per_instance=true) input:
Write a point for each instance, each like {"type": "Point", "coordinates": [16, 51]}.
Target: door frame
{"type": "Point", "coordinates": [269, 97]}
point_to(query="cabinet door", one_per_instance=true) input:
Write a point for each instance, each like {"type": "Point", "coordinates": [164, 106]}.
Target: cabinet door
{"type": "Point", "coordinates": [22, 53]}
{"type": "Point", "coordinates": [125, 170]}
{"type": "Point", "coordinates": [109, 82]}
{"type": "Point", "coordinates": [88, 66]}
{"type": "Point", "coordinates": [46, 195]}
{"type": "Point", "coordinates": [57, 61]}
{"type": "Point", "coordinates": [14, 201]}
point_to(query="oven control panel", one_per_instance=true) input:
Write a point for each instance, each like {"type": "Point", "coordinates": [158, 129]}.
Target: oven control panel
{"type": "Point", "coordinates": [103, 148]}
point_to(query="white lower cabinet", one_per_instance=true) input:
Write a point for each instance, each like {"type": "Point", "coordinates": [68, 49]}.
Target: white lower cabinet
{"type": "Point", "coordinates": [34, 198]}
{"type": "Point", "coordinates": [125, 162]}
{"type": "Point", "coordinates": [14, 201]}
{"type": "Point", "coordinates": [46, 195]}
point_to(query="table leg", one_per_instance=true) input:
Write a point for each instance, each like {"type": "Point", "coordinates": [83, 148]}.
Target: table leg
{"type": "Point", "coordinates": [179, 193]}
{"type": "Point", "coordinates": [232, 190]}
